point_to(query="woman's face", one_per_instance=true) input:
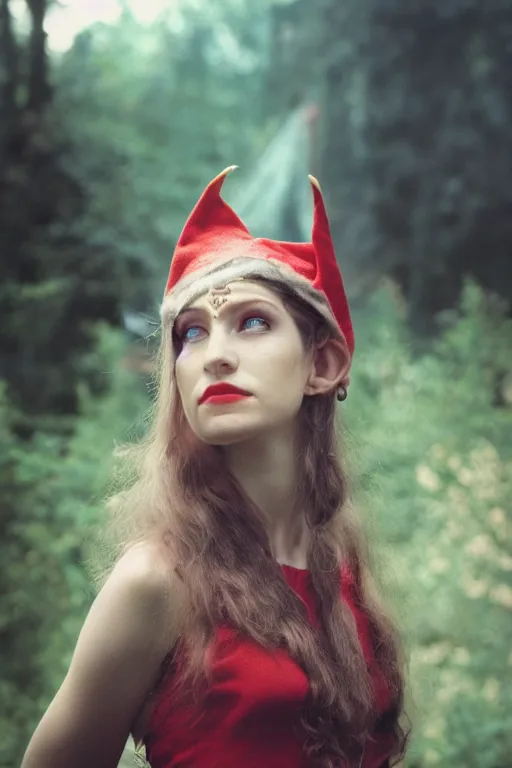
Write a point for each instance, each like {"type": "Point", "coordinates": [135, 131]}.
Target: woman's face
{"type": "Point", "coordinates": [244, 337]}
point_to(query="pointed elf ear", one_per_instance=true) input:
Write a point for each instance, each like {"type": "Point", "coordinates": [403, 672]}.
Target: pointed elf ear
{"type": "Point", "coordinates": [330, 367]}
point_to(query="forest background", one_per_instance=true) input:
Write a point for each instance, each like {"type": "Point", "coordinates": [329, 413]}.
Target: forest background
{"type": "Point", "coordinates": [403, 109]}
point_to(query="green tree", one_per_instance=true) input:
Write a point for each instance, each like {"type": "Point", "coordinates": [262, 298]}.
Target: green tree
{"type": "Point", "coordinates": [155, 113]}
{"type": "Point", "coordinates": [414, 143]}
{"type": "Point", "coordinates": [53, 284]}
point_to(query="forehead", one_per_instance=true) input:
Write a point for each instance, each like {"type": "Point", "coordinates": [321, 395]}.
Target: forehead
{"type": "Point", "coordinates": [237, 291]}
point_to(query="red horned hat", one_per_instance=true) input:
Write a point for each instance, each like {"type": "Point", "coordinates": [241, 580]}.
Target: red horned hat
{"type": "Point", "coordinates": [216, 248]}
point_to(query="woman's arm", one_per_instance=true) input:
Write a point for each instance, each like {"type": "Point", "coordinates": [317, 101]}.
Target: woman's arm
{"type": "Point", "coordinates": [116, 662]}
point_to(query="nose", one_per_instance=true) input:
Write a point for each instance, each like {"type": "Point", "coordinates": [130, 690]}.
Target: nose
{"type": "Point", "coordinates": [221, 357]}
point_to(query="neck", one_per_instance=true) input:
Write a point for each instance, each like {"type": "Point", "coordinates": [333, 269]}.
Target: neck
{"type": "Point", "coordinates": [266, 469]}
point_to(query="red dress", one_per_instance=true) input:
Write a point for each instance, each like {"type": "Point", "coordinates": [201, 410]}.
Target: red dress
{"type": "Point", "coordinates": [251, 714]}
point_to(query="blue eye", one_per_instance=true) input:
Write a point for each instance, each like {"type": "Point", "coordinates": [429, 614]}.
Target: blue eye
{"type": "Point", "coordinates": [192, 333]}
{"type": "Point", "coordinates": [254, 322]}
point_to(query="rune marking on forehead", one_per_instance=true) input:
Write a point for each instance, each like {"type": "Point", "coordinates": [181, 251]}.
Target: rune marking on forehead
{"type": "Point", "coordinates": [217, 297]}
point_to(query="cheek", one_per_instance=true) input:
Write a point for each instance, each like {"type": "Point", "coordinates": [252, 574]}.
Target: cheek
{"type": "Point", "coordinates": [178, 376]}
{"type": "Point", "coordinates": [285, 370]}
{"type": "Point", "coordinates": [184, 383]}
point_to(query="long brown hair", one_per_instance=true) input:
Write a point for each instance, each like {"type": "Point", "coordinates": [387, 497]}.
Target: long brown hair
{"type": "Point", "coordinates": [182, 494]}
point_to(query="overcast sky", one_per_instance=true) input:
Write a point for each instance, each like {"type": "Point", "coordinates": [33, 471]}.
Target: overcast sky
{"type": "Point", "coordinates": [69, 17]}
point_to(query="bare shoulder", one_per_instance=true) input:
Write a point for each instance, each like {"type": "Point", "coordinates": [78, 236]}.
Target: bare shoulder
{"type": "Point", "coordinates": [143, 587]}
{"type": "Point", "coordinates": [130, 627]}
{"type": "Point", "coordinates": [143, 571]}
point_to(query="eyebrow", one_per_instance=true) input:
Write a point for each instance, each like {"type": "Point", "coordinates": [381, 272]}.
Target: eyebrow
{"type": "Point", "coordinates": [228, 306]}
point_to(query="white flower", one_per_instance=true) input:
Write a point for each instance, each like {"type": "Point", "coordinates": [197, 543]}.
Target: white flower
{"type": "Point", "coordinates": [474, 588]}
{"type": "Point", "coordinates": [435, 729]}
{"type": "Point", "coordinates": [505, 562]}
{"type": "Point", "coordinates": [438, 452]}
{"type": "Point", "coordinates": [497, 516]}
{"type": "Point", "coordinates": [427, 479]}
{"type": "Point", "coordinates": [502, 594]}
{"type": "Point", "coordinates": [461, 655]}
{"type": "Point", "coordinates": [454, 462]}
{"type": "Point", "coordinates": [439, 565]}
{"type": "Point", "coordinates": [432, 757]}
{"type": "Point", "coordinates": [480, 546]}
{"type": "Point", "coordinates": [491, 689]}
{"type": "Point", "coordinates": [465, 476]}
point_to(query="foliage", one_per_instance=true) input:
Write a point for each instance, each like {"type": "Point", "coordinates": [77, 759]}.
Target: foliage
{"type": "Point", "coordinates": [414, 138]}
{"type": "Point", "coordinates": [104, 152]}
{"type": "Point", "coordinates": [52, 489]}
{"type": "Point", "coordinates": [150, 133]}
{"type": "Point", "coordinates": [433, 438]}
{"type": "Point", "coordinates": [53, 283]}
{"type": "Point", "coordinates": [440, 491]}
{"type": "Point", "coordinates": [102, 156]}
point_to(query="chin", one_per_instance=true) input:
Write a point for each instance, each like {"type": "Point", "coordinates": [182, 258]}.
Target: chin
{"type": "Point", "coordinates": [223, 438]}
{"type": "Point", "coordinates": [224, 434]}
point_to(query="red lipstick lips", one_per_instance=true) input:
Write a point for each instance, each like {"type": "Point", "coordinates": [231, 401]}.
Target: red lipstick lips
{"type": "Point", "coordinates": [222, 393]}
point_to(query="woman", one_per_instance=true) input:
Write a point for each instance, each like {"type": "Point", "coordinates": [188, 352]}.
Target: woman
{"type": "Point", "coordinates": [240, 625]}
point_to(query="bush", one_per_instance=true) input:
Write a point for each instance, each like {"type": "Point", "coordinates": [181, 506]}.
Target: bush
{"type": "Point", "coordinates": [433, 434]}
{"type": "Point", "coordinates": [52, 489]}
